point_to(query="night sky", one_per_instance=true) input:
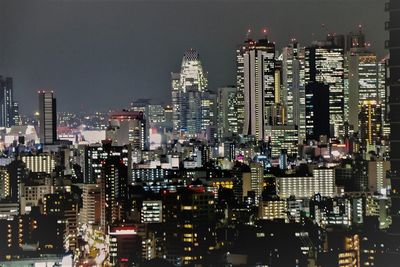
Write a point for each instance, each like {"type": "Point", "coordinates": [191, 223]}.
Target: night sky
{"type": "Point", "coordinates": [98, 55]}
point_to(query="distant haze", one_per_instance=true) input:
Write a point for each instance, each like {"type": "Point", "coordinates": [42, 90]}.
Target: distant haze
{"type": "Point", "coordinates": [98, 55]}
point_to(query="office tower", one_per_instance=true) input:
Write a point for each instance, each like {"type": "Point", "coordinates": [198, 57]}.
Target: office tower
{"type": "Point", "coordinates": [208, 106]}
{"type": "Point", "coordinates": [276, 114]}
{"type": "Point", "coordinates": [151, 211]}
{"type": "Point", "coordinates": [370, 123]}
{"type": "Point", "coordinates": [255, 85]}
{"type": "Point", "coordinates": [187, 95]}
{"type": "Point", "coordinates": [393, 7]}
{"type": "Point", "coordinates": [156, 115]}
{"type": "Point", "coordinates": [254, 181]}
{"type": "Point", "coordinates": [293, 77]}
{"type": "Point", "coordinates": [317, 110]}
{"type": "Point", "coordinates": [15, 112]}
{"type": "Point", "coordinates": [168, 112]}
{"type": "Point", "coordinates": [383, 96]}
{"type": "Point", "coordinates": [47, 117]}
{"type": "Point", "coordinates": [127, 127]}
{"type": "Point", "coordinates": [9, 108]}
{"type": "Point", "coordinates": [227, 114]}
{"type": "Point", "coordinates": [282, 137]}
{"type": "Point", "coordinates": [176, 101]}
{"type": "Point", "coordinates": [325, 64]}
{"type": "Point", "coordinates": [362, 81]}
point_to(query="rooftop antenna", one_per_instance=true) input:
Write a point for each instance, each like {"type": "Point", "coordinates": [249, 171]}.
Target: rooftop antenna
{"type": "Point", "coordinates": [265, 33]}
{"type": "Point", "coordinates": [248, 34]}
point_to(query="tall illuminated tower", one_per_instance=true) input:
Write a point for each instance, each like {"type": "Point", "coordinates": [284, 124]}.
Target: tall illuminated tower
{"type": "Point", "coordinates": [47, 117]}
{"type": "Point", "coordinates": [188, 90]}
{"type": "Point", "coordinates": [227, 115]}
{"type": "Point", "coordinates": [9, 109]}
{"type": "Point", "coordinates": [370, 123]}
{"type": "Point", "coordinates": [363, 79]}
{"type": "Point", "coordinates": [255, 85]}
{"type": "Point", "coordinates": [293, 78]}
{"type": "Point", "coordinates": [325, 64]}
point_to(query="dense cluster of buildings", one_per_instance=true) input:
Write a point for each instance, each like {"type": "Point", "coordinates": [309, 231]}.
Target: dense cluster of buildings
{"type": "Point", "coordinates": [295, 165]}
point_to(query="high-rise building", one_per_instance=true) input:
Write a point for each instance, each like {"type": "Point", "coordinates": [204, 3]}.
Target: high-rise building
{"type": "Point", "coordinates": [127, 127]}
{"type": "Point", "coordinates": [227, 114]}
{"type": "Point", "coordinates": [282, 137]}
{"type": "Point", "coordinates": [325, 64]}
{"type": "Point", "coordinates": [370, 123]}
{"type": "Point", "coordinates": [189, 100]}
{"type": "Point", "coordinates": [255, 85]}
{"type": "Point", "coordinates": [93, 204]}
{"type": "Point", "coordinates": [208, 113]}
{"type": "Point", "coordinates": [47, 117]}
{"type": "Point", "coordinates": [317, 110]}
{"type": "Point", "coordinates": [362, 81]}
{"type": "Point", "coordinates": [96, 156]}
{"type": "Point", "coordinates": [9, 108]}
{"type": "Point", "coordinates": [293, 78]}
{"type": "Point", "coordinates": [189, 218]}
{"type": "Point", "coordinates": [383, 96]}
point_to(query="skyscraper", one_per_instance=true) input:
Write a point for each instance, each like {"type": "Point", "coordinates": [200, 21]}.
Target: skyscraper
{"type": "Point", "coordinates": [9, 108]}
{"type": "Point", "coordinates": [363, 81]}
{"type": "Point", "coordinates": [317, 110]}
{"type": "Point", "coordinates": [383, 95]}
{"type": "Point", "coordinates": [370, 122]}
{"type": "Point", "coordinates": [227, 114]}
{"type": "Point", "coordinates": [47, 117]}
{"type": "Point", "coordinates": [189, 96]}
{"type": "Point", "coordinates": [325, 64]}
{"type": "Point", "coordinates": [255, 85]}
{"type": "Point", "coordinates": [293, 77]}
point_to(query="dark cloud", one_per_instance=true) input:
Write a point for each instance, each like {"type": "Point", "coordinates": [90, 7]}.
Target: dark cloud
{"type": "Point", "coordinates": [99, 54]}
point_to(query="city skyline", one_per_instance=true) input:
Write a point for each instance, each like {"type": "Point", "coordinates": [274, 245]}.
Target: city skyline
{"type": "Point", "coordinates": [81, 60]}
{"type": "Point", "coordinates": [255, 151]}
